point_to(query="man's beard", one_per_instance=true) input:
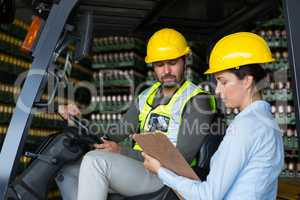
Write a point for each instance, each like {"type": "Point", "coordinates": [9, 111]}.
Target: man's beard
{"type": "Point", "coordinates": [170, 84]}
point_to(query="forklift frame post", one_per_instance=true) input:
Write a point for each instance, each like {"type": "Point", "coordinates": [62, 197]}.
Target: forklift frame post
{"type": "Point", "coordinates": [31, 91]}
{"type": "Point", "coordinates": [292, 15]}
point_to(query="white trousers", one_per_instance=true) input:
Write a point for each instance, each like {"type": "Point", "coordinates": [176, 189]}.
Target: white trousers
{"type": "Point", "coordinates": [103, 172]}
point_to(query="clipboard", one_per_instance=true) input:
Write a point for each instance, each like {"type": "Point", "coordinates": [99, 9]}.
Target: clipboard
{"type": "Point", "coordinates": [158, 145]}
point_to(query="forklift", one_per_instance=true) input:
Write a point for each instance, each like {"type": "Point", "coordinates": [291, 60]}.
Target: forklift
{"type": "Point", "coordinates": [51, 31]}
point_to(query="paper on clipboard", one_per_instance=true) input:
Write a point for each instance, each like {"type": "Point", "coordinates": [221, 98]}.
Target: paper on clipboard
{"type": "Point", "coordinates": [160, 147]}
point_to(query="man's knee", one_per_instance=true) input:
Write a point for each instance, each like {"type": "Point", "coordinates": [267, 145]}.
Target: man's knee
{"type": "Point", "coordinates": [91, 156]}
{"type": "Point", "coordinates": [96, 160]}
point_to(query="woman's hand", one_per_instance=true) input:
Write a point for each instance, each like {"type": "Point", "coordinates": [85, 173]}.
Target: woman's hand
{"type": "Point", "coordinates": [151, 163]}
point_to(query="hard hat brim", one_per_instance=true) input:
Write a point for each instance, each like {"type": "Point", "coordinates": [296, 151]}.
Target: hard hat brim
{"type": "Point", "coordinates": [214, 70]}
{"type": "Point", "coordinates": [151, 60]}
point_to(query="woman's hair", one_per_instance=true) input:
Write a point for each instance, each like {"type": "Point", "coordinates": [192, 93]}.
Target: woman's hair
{"type": "Point", "coordinates": [254, 70]}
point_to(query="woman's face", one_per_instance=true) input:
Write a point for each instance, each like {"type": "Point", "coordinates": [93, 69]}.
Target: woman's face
{"type": "Point", "coordinates": [232, 90]}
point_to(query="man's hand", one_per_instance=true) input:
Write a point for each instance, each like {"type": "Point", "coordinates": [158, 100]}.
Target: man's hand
{"type": "Point", "coordinates": [151, 163]}
{"type": "Point", "coordinates": [69, 110]}
{"type": "Point", "coordinates": [108, 146]}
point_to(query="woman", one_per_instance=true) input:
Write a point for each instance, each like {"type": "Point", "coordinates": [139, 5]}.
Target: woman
{"type": "Point", "coordinates": [250, 157]}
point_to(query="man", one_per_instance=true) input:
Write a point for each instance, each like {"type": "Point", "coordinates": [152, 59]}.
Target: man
{"type": "Point", "coordinates": [172, 105]}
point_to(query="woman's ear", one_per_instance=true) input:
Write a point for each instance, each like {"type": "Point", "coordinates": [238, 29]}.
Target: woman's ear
{"type": "Point", "coordinates": [248, 81]}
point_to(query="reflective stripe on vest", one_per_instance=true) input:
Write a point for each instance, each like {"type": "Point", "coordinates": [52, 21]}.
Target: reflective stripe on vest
{"type": "Point", "coordinates": [172, 111]}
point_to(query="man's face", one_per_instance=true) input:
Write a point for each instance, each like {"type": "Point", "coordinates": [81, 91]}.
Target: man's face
{"type": "Point", "coordinates": [169, 72]}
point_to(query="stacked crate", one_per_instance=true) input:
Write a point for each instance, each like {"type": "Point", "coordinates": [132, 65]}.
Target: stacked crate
{"type": "Point", "coordinates": [119, 75]}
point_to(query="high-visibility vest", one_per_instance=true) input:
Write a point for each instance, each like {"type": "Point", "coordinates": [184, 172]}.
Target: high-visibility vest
{"type": "Point", "coordinates": [166, 118]}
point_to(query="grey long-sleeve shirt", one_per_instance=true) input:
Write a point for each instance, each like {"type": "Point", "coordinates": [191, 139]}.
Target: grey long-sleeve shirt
{"type": "Point", "coordinates": [196, 120]}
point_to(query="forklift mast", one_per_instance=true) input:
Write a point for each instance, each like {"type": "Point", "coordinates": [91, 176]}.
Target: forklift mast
{"type": "Point", "coordinates": [31, 91]}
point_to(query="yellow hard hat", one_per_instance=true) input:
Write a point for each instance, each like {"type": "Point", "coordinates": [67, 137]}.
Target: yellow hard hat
{"type": "Point", "coordinates": [166, 44]}
{"type": "Point", "coordinates": [238, 49]}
